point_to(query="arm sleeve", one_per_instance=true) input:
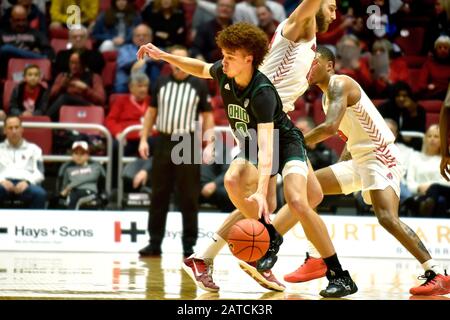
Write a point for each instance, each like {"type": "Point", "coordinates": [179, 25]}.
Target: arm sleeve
{"type": "Point", "coordinates": [264, 103]}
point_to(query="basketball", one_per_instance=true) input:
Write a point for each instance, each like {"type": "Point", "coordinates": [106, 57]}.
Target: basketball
{"type": "Point", "coordinates": [248, 240]}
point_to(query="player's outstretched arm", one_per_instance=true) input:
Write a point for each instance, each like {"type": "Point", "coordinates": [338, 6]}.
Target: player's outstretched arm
{"type": "Point", "coordinates": [192, 66]}
{"type": "Point", "coordinates": [337, 104]}
{"type": "Point", "coordinates": [301, 22]}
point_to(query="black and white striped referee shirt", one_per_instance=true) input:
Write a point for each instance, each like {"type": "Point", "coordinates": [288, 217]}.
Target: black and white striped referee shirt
{"type": "Point", "coordinates": [179, 103]}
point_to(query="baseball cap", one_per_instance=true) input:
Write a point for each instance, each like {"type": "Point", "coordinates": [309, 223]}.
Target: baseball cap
{"type": "Point", "coordinates": [80, 144]}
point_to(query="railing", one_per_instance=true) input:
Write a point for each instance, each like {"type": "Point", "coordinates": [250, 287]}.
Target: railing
{"type": "Point", "coordinates": [412, 134]}
{"type": "Point", "coordinates": [122, 159]}
{"type": "Point", "coordinates": [70, 126]}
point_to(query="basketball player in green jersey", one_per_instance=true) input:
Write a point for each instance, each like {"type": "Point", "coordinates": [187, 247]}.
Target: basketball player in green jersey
{"type": "Point", "coordinates": [255, 113]}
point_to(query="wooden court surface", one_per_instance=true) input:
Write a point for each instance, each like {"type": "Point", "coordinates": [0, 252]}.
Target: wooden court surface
{"type": "Point", "coordinates": [89, 276]}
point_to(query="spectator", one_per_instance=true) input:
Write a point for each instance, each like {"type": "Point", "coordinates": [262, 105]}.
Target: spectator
{"type": "Point", "coordinates": [129, 110]}
{"type": "Point", "coordinates": [266, 21]}
{"type": "Point", "coordinates": [204, 46]}
{"type": "Point", "coordinates": [21, 41]}
{"type": "Point", "coordinates": [320, 155]}
{"type": "Point", "coordinates": [114, 27]}
{"type": "Point", "coordinates": [60, 15]}
{"type": "Point", "coordinates": [438, 25]}
{"type": "Point", "coordinates": [246, 10]}
{"type": "Point", "coordinates": [387, 67]}
{"type": "Point", "coordinates": [435, 72]}
{"type": "Point", "coordinates": [424, 179]}
{"type": "Point", "coordinates": [405, 111]}
{"type": "Point", "coordinates": [80, 87]}
{"type": "Point", "coordinates": [36, 17]}
{"type": "Point", "coordinates": [167, 22]}
{"type": "Point", "coordinates": [350, 62]}
{"type": "Point", "coordinates": [78, 40]}
{"type": "Point", "coordinates": [30, 97]}
{"type": "Point", "coordinates": [21, 167]}
{"type": "Point", "coordinates": [127, 62]}
{"type": "Point", "coordinates": [80, 176]}
{"type": "Point", "coordinates": [165, 173]}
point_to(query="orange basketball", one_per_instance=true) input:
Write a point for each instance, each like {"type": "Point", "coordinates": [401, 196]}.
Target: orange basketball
{"type": "Point", "coordinates": [248, 240]}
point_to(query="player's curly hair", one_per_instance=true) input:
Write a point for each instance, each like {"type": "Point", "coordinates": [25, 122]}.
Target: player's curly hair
{"type": "Point", "coordinates": [247, 37]}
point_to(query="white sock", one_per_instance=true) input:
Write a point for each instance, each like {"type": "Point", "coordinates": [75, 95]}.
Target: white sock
{"type": "Point", "coordinates": [212, 250]}
{"type": "Point", "coordinates": [432, 265]}
{"type": "Point", "coordinates": [312, 250]}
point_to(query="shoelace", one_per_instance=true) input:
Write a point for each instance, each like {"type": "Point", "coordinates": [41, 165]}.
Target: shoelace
{"type": "Point", "coordinates": [428, 276]}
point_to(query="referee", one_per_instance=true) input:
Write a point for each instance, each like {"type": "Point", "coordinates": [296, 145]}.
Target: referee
{"type": "Point", "coordinates": [176, 103]}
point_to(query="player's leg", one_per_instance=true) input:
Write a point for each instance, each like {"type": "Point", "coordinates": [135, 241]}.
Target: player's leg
{"type": "Point", "coordinates": [385, 204]}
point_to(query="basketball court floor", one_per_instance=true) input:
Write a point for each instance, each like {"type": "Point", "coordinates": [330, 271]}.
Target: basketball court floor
{"type": "Point", "coordinates": [90, 276]}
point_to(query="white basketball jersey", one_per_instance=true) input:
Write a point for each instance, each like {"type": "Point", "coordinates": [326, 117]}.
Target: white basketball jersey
{"type": "Point", "coordinates": [287, 65]}
{"type": "Point", "coordinates": [365, 131]}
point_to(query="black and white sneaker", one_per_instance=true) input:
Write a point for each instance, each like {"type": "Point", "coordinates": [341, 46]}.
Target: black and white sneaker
{"type": "Point", "coordinates": [340, 285]}
{"type": "Point", "coordinates": [268, 260]}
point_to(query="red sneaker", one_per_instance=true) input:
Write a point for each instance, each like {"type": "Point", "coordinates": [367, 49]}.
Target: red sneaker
{"type": "Point", "coordinates": [312, 268]}
{"type": "Point", "coordinates": [435, 284]}
{"type": "Point", "coordinates": [265, 278]}
{"type": "Point", "coordinates": [200, 272]}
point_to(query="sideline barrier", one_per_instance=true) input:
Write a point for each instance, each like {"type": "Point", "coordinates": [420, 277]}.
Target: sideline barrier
{"type": "Point", "coordinates": [69, 126]}
{"type": "Point", "coordinates": [116, 231]}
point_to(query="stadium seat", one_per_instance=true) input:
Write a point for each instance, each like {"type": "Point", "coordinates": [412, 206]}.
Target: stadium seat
{"type": "Point", "coordinates": [217, 102]}
{"type": "Point", "coordinates": [412, 44]}
{"type": "Point", "coordinates": [220, 117]}
{"type": "Point", "coordinates": [317, 114]}
{"type": "Point", "coordinates": [378, 102]}
{"type": "Point", "coordinates": [7, 92]}
{"type": "Point", "coordinates": [431, 118]}
{"type": "Point", "coordinates": [61, 44]}
{"type": "Point", "coordinates": [43, 137]}
{"type": "Point", "coordinates": [109, 70]}
{"type": "Point", "coordinates": [83, 114]}
{"type": "Point", "coordinates": [16, 66]}
{"type": "Point", "coordinates": [431, 106]}
{"type": "Point", "coordinates": [335, 143]}
{"type": "Point", "coordinates": [415, 61]}
{"type": "Point", "coordinates": [59, 33]}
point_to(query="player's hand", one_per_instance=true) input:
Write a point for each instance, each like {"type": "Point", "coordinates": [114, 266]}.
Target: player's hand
{"type": "Point", "coordinates": [144, 149]}
{"type": "Point", "coordinates": [150, 50]}
{"type": "Point", "coordinates": [263, 207]}
{"type": "Point", "coordinates": [445, 168]}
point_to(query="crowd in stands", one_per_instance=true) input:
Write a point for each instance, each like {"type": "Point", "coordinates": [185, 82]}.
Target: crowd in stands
{"type": "Point", "coordinates": [399, 54]}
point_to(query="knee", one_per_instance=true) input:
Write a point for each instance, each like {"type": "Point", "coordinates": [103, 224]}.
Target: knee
{"type": "Point", "coordinates": [316, 199]}
{"type": "Point", "coordinates": [297, 205]}
{"type": "Point", "coordinates": [231, 182]}
{"type": "Point", "coordinates": [387, 221]}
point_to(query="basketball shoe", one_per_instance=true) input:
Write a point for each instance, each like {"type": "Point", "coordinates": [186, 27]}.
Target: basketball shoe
{"type": "Point", "coordinates": [435, 284]}
{"type": "Point", "coordinates": [268, 260]}
{"type": "Point", "coordinates": [265, 278]}
{"type": "Point", "coordinates": [339, 285]}
{"type": "Point", "coordinates": [312, 268]}
{"type": "Point", "coordinates": [200, 271]}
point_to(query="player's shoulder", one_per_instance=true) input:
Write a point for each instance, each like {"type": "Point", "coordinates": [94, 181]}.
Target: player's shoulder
{"type": "Point", "coordinates": [342, 81]}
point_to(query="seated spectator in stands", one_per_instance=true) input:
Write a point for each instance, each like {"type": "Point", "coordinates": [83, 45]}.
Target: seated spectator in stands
{"type": "Point", "coordinates": [424, 179]}
{"type": "Point", "coordinates": [405, 111]}
{"type": "Point", "coordinates": [127, 62]}
{"type": "Point", "coordinates": [245, 11]}
{"type": "Point", "coordinates": [21, 167]}
{"type": "Point", "coordinates": [204, 46]}
{"type": "Point", "coordinates": [30, 97]}
{"type": "Point", "coordinates": [437, 25]}
{"type": "Point", "coordinates": [36, 17]}
{"type": "Point", "coordinates": [166, 19]}
{"type": "Point", "coordinates": [79, 87]}
{"type": "Point", "coordinates": [80, 176]}
{"type": "Point", "coordinates": [350, 62]}
{"type": "Point", "coordinates": [18, 40]}
{"type": "Point", "coordinates": [266, 22]}
{"type": "Point", "coordinates": [78, 39]}
{"type": "Point", "coordinates": [211, 180]}
{"type": "Point", "coordinates": [435, 72]}
{"type": "Point", "coordinates": [320, 155]}
{"type": "Point", "coordinates": [337, 29]}
{"type": "Point", "coordinates": [60, 16]}
{"type": "Point", "coordinates": [129, 110]}
{"type": "Point", "coordinates": [114, 27]}
{"type": "Point", "coordinates": [136, 175]}
{"type": "Point", "coordinates": [387, 67]}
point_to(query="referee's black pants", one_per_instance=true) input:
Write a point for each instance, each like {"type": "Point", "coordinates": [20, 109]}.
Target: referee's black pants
{"type": "Point", "coordinates": [165, 176]}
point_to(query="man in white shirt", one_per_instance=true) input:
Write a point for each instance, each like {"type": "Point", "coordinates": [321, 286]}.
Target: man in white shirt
{"type": "Point", "coordinates": [20, 163]}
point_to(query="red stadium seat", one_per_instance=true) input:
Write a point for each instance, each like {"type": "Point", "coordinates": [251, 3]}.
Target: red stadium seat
{"type": "Point", "coordinates": [59, 33]}
{"type": "Point", "coordinates": [335, 143]}
{"type": "Point", "coordinates": [431, 118]}
{"type": "Point", "coordinates": [43, 137]}
{"type": "Point", "coordinates": [61, 44]}
{"type": "Point", "coordinates": [220, 117]}
{"type": "Point", "coordinates": [378, 102]}
{"type": "Point", "coordinates": [317, 114]}
{"type": "Point", "coordinates": [7, 92]}
{"type": "Point", "coordinates": [83, 114]}
{"type": "Point", "coordinates": [415, 61]}
{"type": "Point", "coordinates": [413, 42]}
{"type": "Point", "coordinates": [109, 71]}
{"type": "Point", "coordinates": [217, 102]}
{"type": "Point", "coordinates": [16, 66]}
{"type": "Point", "coordinates": [431, 106]}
